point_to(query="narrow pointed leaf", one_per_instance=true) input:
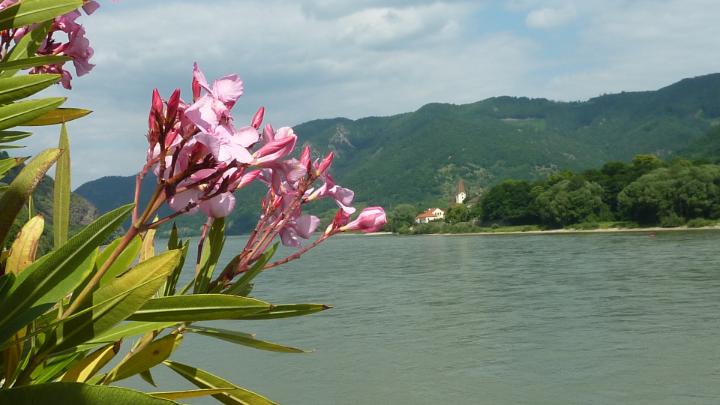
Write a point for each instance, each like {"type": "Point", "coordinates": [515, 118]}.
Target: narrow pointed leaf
{"type": "Point", "coordinates": [54, 275]}
{"type": "Point", "coordinates": [123, 261]}
{"type": "Point", "coordinates": [15, 196]}
{"type": "Point", "coordinates": [18, 87]}
{"type": "Point", "coordinates": [203, 379]}
{"type": "Point", "coordinates": [242, 339]}
{"type": "Point", "coordinates": [173, 241]}
{"type": "Point", "coordinates": [34, 61]}
{"type": "Point", "coordinates": [29, 12]}
{"type": "Point", "coordinates": [210, 254]}
{"type": "Point", "coordinates": [88, 366]}
{"type": "Point", "coordinates": [171, 284]}
{"type": "Point", "coordinates": [198, 307]}
{"type": "Point", "coordinates": [23, 249]}
{"type": "Point", "coordinates": [173, 395]}
{"type": "Point", "coordinates": [288, 311]}
{"type": "Point", "coordinates": [113, 302]}
{"type": "Point", "coordinates": [22, 112]}
{"type": "Point", "coordinates": [122, 331]}
{"type": "Point", "coordinates": [12, 136]}
{"type": "Point", "coordinates": [53, 368]}
{"type": "Point", "coordinates": [244, 285]}
{"type": "Point", "coordinates": [146, 358]}
{"type": "Point", "coordinates": [61, 191]}
{"type": "Point", "coordinates": [77, 393]}
{"type": "Point", "coordinates": [9, 163]}
{"type": "Point", "coordinates": [58, 116]}
{"type": "Point", "coordinates": [148, 378]}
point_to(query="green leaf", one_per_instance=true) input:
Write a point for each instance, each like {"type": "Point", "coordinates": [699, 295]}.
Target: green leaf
{"type": "Point", "coordinates": [243, 286]}
{"type": "Point", "coordinates": [77, 393]}
{"type": "Point", "coordinates": [29, 12]}
{"type": "Point", "coordinates": [118, 299]}
{"type": "Point", "coordinates": [148, 378]}
{"type": "Point", "coordinates": [173, 241]}
{"type": "Point", "coordinates": [173, 395]}
{"type": "Point", "coordinates": [14, 198]}
{"type": "Point", "coordinates": [15, 88]}
{"type": "Point", "coordinates": [61, 191]}
{"type": "Point", "coordinates": [9, 163]}
{"type": "Point", "coordinates": [51, 277]}
{"type": "Point", "coordinates": [203, 379]}
{"type": "Point", "coordinates": [23, 112]}
{"type": "Point", "coordinates": [146, 358]}
{"type": "Point", "coordinates": [54, 367]}
{"type": "Point", "coordinates": [171, 284]}
{"type": "Point", "coordinates": [58, 116]}
{"type": "Point", "coordinates": [122, 331]}
{"type": "Point", "coordinates": [124, 260]}
{"type": "Point", "coordinates": [198, 307]}
{"type": "Point", "coordinates": [12, 136]}
{"type": "Point", "coordinates": [34, 61]}
{"type": "Point", "coordinates": [26, 47]}
{"type": "Point", "coordinates": [242, 339]}
{"type": "Point", "coordinates": [288, 311]}
{"type": "Point", "coordinates": [210, 254]}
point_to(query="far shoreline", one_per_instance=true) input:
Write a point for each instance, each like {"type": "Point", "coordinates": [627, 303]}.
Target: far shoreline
{"type": "Point", "coordinates": [578, 231]}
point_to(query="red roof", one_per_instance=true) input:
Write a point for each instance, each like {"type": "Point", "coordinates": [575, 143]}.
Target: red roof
{"type": "Point", "coordinates": [427, 213]}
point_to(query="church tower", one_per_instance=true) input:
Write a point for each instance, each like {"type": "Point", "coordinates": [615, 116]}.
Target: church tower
{"type": "Point", "coordinates": [460, 195]}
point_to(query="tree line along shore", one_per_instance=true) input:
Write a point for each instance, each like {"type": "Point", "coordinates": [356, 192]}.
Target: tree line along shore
{"type": "Point", "coordinates": [646, 194]}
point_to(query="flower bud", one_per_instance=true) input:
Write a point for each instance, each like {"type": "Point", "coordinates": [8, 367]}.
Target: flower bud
{"type": "Point", "coordinates": [172, 107]}
{"type": "Point", "coordinates": [371, 219]}
{"type": "Point", "coordinates": [325, 164]}
{"type": "Point", "coordinates": [275, 150]}
{"type": "Point", "coordinates": [258, 117]}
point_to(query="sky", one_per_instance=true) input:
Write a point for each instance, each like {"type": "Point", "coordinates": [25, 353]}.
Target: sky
{"type": "Point", "coordinates": [305, 60]}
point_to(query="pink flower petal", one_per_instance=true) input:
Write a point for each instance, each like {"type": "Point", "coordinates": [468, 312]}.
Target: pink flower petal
{"type": "Point", "coordinates": [219, 206]}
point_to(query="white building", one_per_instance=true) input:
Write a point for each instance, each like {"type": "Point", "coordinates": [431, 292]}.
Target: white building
{"type": "Point", "coordinates": [460, 195]}
{"type": "Point", "coordinates": [431, 214]}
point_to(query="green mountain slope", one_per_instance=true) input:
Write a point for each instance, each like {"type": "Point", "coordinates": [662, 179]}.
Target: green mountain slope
{"type": "Point", "coordinates": [418, 157]}
{"type": "Point", "coordinates": [82, 212]}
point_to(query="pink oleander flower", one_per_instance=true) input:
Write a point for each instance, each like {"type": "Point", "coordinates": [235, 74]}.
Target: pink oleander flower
{"type": "Point", "coordinates": [280, 145]}
{"type": "Point", "coordinates": [343, 196]}
{"type": "Point", "coordinates": [77, 46]}
{"type": "Point", "coordinates": [371, 219]}
{"type": "Point", "coordinates": [211, 114]}
{"type": "Point", "coordinates": [218, 206]}
{"type": "Point", "coordinates": [299, 228]}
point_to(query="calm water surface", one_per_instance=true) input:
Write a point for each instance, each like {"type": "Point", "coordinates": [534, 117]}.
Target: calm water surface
{"type": "Point", "coordinates": [562, 319]}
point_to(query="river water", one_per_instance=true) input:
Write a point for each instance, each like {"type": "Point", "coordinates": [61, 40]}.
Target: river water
{"type": "Point", "coordinates": [511, 319]}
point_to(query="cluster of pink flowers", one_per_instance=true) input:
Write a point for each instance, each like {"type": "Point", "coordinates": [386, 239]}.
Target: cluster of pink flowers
{"type": "Point", "coordinates": [201, 158]}
{"type": "Point", "coordinates": [75, 45]}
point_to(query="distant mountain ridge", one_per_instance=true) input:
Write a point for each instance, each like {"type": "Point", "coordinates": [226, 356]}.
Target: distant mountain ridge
{"type": "Point", "coordinates": [419, 156]}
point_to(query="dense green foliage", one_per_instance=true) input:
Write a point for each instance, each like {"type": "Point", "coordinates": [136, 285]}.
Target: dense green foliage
{"type": "Point", "coordinates": [418, 157]}
{"type": "Point", "coordinates": [645, 192]}
{"type": "Point", "coordinates": [570, 201]}
{"type": "Point", "coordinates": [672, 195]}
{"type": "Point", "coordinates": [510, 201]}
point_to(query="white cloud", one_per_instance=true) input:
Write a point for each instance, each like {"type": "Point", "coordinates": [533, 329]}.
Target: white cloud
{"type": "Point", "coordinates": [319, 59]}
{"type": "Point", "coordinates": [548, 18]}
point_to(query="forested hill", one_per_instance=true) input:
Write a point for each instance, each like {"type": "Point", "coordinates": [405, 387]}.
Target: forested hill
{"type": "Point", "coordinates": [418, 157]}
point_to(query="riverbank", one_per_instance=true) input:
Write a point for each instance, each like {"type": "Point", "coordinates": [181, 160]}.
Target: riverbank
{"type": "Point", "coordinates": [579, 231]}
